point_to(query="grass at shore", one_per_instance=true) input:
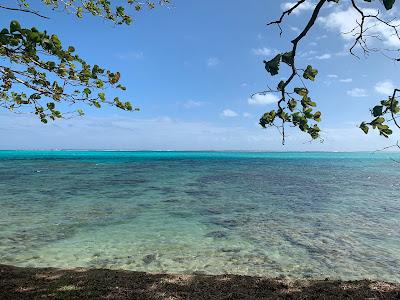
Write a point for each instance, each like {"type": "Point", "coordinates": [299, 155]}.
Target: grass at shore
{"type": "Point", "coordinates": [49, 283]}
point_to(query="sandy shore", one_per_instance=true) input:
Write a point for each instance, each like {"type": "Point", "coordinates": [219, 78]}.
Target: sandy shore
{"type": "Point", "coordinates": [48, 283]}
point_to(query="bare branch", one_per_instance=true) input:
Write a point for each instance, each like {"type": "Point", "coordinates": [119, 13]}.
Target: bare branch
{"type": "Point", "coordinates": [24, 10]}
{"type": "Point", "coordinates": [287, 12]}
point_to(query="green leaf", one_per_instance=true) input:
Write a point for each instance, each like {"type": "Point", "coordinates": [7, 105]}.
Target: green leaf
{"type": "Point", "coordinates": [301, 91]}
{"type": "Point", "coordinates": [314, 131]}
{"type": "Point", "coordinates": [281, 85]}
{"type": "Point", "coordinates": [388, 4]}
{"type": "Point", "coordinates": [120, 86]}
{"type": "Point", "coordinates": [377, 111]}
{"type": "Point", "coordinates": [128, 106]}
{"type": "Point", "coordinates": [267, 118]}
{"type": "Point", "coordinates": [14, 26]}
{"type": "Point", "coordinates": [56, 41]}
{"type": "Point", "coordinates": [317, 116]}
{"type": "Point", "coordinates": [287, 58]}
{"type": "Point", "coordinates": [378, 121]}
{"type": "Point", "coordinates": [364, 127]}
{"type": "Point", "coordinates": [292, 104]}
{"type": "Point", "coordinates": [272, 66]}
{"type": "Point", "coordinates": [386, 132]}
{"type": "Point", "coordinates": [310, 73]}
{"type": "Point", "coordinates": [102, 97]}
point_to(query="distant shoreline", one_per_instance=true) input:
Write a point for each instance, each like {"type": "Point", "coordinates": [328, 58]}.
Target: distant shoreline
{"type": "Point", "coordinates": [50, 283]}
{"type": "Point", "coordinates": [192, 151]}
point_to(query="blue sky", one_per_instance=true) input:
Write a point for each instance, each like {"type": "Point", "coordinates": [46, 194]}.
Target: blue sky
{"type": "Point", "coordinates": [192, 67]}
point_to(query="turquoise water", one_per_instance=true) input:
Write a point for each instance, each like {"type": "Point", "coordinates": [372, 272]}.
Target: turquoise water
{"type": "Point", "coordinates": [271, 214]}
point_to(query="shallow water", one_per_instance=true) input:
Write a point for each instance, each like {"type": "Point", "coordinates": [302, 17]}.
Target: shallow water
{"type": "Point", "coordinates": [269, 214]}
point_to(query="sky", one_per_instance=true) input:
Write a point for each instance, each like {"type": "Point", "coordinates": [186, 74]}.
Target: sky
{"type": "Point", "coordinates": [192, 68]}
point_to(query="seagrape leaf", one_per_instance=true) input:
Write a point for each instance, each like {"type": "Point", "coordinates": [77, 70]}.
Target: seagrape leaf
{"type": "Point", "coordinates": [364, 127]}
{"type": "Point", "coordinates": [272, 66]}
{"type": "Point", "coordinates": [310, 73]}
{"type": "Point", "coordinates": [388, 4]}
{"type": "Point", "coordinates": [385, 132]}
{"type": "Point", "coordinates": [301, 91]}
{"type": "Point", "coordinates": [14, 26]}
{"type": "Point", "coordinates": [267, 118]}
{"type": "Point", "coordinates": [281, 85]}
{"type": "Point", "coordinates": [317, 116]}
{"type": "Point", "coordinates": [379, 120]}
{"type": "Point", "coordinates": [377, 111]}
{"type": "Point", "coordinates": [292, 104]}
{"type": "Point", "coordinates": [287, 58]}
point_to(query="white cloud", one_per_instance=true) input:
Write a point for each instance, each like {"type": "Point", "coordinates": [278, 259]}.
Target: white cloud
{"type": "Point", "coordinates": [343, 80]}
{"type": "Point", "coordinates": [342, 20]}
{"type": "Point", "coordinates": [307, 53]}
{"type": "Point", "coordinates": [263, 51]}
{"type": "Point", "coordinates": [213, 61]}
{"type": "Point", "coordinates": [192, 104]}
{"type": "Point", "coordinates": [324, 36]}
{"type": "Point", "coordinates": [344, 52]}
{"type": "Point", "coordinates": [246, 115]}
{"type": "Point", "coordinates": [324, 56]}
{"type": "Point", "coordinates": [385, 87]}
{"type": "Point", "coordinates": [357, 92]}
{"type": "Point", "coordinates": [260, 99]}
{"type": "Point", "coordinates": [307, 5]}
{"type": "Point", "coordinates": [295, 29]}
{"type": "Point", "coordinates": [346, 20]}
{"type": "Point", "coordinates": [229, 113]}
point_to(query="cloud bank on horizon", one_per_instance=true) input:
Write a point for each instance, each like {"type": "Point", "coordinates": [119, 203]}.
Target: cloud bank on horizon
{"type": "Point", "coordinates": [163, 133]}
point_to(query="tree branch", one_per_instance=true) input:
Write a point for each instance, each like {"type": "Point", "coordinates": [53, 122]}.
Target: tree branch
{"type": "Point", "coordinates": [24, 10]}
{"type": "Point", "coordinates": [287, 12]}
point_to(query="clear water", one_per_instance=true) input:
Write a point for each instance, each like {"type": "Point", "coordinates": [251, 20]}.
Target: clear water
{"type": "Point", "coordinates": [269, 214]}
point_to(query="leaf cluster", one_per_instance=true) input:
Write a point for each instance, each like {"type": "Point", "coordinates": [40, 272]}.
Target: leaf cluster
{"type": "Point", "coordinates": [115, 11]}
{"type": "Point", "coordinates": [36, 68]}
{"type": "Point", "coordinates": [296, 108]}
{"type": "Point", "coordinates": [38, 74]}
{"type": "Point", "coordinates": [384, 112]}
{"type": "Point", "coordinates": [298, 111]}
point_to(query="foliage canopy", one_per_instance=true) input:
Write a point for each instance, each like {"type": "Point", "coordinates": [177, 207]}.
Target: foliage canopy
{"type": "Point", "coordinates": [37, 72]}
{"type": "Point", "coordinates": [295, 106]}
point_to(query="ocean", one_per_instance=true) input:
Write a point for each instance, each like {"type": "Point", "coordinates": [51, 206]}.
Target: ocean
{"type": "Point", "coordinates": [299, 215]}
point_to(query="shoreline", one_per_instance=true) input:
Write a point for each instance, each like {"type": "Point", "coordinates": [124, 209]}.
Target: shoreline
{"type": "Point", "coordinates": [82, 283]}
